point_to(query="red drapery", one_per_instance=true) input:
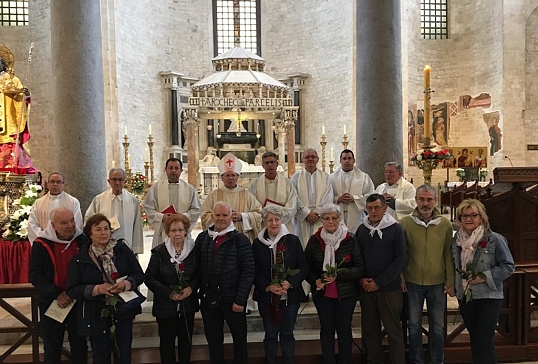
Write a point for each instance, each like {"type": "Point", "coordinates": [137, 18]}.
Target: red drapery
{"type": "Point", "coordinates": [14, 261]}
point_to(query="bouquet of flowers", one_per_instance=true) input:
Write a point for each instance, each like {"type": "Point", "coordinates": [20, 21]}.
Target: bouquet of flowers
{"type": "Point", "coordinates": [138, 183]}
{"type": "Point", "coordinates": [17, 228]}
{"type": "Point", "coordinates": [280, 271]}
{"type": "Point", "coordinates": [331, 271]}
{"type": "Point", "coordinates": [470, 273]}
{"type": "Point", "coordinates": [435, 154]}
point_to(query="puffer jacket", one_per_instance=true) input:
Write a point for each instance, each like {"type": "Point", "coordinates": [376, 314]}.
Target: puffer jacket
{"type": "Point", "coordinates": [161, 277]}
{"type": "Point", "coordinates": [237, 267]}
{"type": "Point", "coordinates": [349, 273]}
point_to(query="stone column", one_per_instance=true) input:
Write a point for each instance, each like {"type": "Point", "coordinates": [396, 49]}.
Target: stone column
{"type": "Point", "coordinates": [290, 117]}
{"type": "Point", "coordinates": [280, 130]}
{"type": "Point", "coordinates": [78, 123]}
{"type": "Point", "coordinates": [379, 86]}
{"type": "Point", "coordinates": [191, 124]}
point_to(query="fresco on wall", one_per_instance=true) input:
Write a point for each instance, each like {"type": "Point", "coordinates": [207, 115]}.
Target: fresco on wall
{"type": "Point", "coordinates": [440, 124]}
{"type": "Point", "coordinates": [467, 157]}
{"type": "Point", "coordinates": [468, 102]}
{"type": "Point", "coordinates": [495, 134]}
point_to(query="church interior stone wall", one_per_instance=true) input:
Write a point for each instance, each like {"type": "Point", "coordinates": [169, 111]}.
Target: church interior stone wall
{"type": "Point", "coordinates": [491, 49]}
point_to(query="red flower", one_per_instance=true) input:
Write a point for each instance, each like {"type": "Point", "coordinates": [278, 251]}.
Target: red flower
{"type": "Point", "coordinates": [347, 258]}
{"type": "Point", "coordinates": [181, 267]}
{"type": "Point", "coordinates": [483, 244]}
{"type": "Point", "coordinates": [281, 247]}
{"type": "Point", "coordinates": [114, 276]}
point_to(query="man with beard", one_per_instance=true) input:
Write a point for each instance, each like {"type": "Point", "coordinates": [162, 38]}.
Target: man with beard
{"type": "Point", "coordinates": [429, 274]}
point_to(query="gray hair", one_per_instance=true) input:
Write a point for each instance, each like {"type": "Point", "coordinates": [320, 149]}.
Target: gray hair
{"type": "Point", "coordinates": [396, 165]}
{"type": "Point", "coordinates": [112, 170]}
{"type": "Point", "coordinates": [272, 209]}
{"type": "Point", "coordinates": [310, 150]}
{"type": "Point", "coordinates": [427, 188]}
{"type": "Point", "coordinates": [327, 209]}
{"type": "Point", "coordinates": [56, 210]}
{"type": "Point", "coordinates": [222, 203]}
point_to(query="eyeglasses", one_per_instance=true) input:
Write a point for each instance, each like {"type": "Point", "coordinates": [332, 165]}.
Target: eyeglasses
{"type": "Point", "coordinates": [117, 179]}
{"type": "Point", "coordinates": [173, 231]}
{"type": "Point", "coordinates": [328, 218]}
{"type": "Point", "coordinates": [229, 176]}
{"type": "Point", "coordinates": [272, 221]}
{"type": "Point", "coordinates": [54, 182]}
{"type": "Point", "coordinates": [472, 216]}
{"type": "Point", "coordinates": [374, 208]}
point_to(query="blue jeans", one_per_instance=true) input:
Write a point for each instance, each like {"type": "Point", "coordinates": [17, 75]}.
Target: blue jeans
{"type": "Point", "coordinates": [272, 329]}
{"type": "Point", "coordinates": [480, 317]}
{"type": "Point", "coordinates": [436, 304]}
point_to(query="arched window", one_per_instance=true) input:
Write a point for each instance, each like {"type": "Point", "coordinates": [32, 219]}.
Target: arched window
{"type": "Point", "coordinates": [433, 19]}
{"type": "Point", "coordinates": [236, 22]}
{"type": "Point", "coordinates": [13, 12]}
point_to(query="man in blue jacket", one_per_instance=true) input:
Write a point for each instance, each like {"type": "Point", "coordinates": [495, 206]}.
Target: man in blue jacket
{"type": "Point", "coordinates": [384, 251]}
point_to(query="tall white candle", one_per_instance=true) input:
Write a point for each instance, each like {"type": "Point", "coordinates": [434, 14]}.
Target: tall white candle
{"type": "Point", "coordinates": [345, 129]}
{"type": "Point", "coordinates": [125, 130]}
{"type": "Point", "coordinates": [323, 129]}
{"type": "Point", "coordinates": [332, 154]}
{"type": "Point", "coordinates": [146, 155]}
{"type": "Point", "coordinates": [113, 164]}
{"type": "Point", "coordinates": [149, 127]}
{"type": "Point", "coordinates": [128, 163]}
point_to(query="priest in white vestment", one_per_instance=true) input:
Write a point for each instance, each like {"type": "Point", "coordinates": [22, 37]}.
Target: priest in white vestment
{"type": "Point", "coordinates": [122, 209]}
{"type": "Point", "coordinates": [351, 187]}
{"type": "Point", "coordinates": [399, 194]}
{"type": "Point", "coordinates": [314, 190]}
{"type": "Point", "coordinates": [165, 197]}
{"type": "Point", "coordinates": [246, 210]}
{"type": "Point", "coordinates": [56, 197]}
{"type": "Point", "coordinates": [272, 188]}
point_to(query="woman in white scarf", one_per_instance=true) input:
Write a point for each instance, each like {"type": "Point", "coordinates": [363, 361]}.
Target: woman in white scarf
{"type": "Point", "coordinates": [171, 276]}
{"type": "Point", "coordinates": [484, 261]}
{"type": "Point", "coordinates": [278, 296]}
{"type": "Point", "coordinates": [336, 265]}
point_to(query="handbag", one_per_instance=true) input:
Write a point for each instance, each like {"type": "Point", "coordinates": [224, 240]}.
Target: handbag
{"type": "Point", "coordinates": [131, 307]}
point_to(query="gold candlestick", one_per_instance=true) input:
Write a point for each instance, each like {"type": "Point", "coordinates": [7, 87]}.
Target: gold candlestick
{"type": "Point", "coordinates": [345, 141]}
{"type": "Point", "coordinates": [331, 166]}
{"type": "Point", "coordinates": [151, 164]}
{"type": "Point", "coordinates": [323, 143]}
{"type": "Point", "coordinates": [146, 169]}
{"type": "Point", "coordinates": [127, 162]}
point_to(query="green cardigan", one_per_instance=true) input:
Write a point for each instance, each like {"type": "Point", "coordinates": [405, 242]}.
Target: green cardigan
{"type": "Point", "coordinates": [428, 251]}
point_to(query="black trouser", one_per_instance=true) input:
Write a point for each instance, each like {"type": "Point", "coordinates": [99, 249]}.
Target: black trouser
{"type": "Point", "coordinates": [53, 332]}
{"type": "Point", "coordinates": [480, 317]}
{"type": "Point", "coordinates": [180, 326]}
{"type": "Point", "coordinates": [103, 344]}
{"type": "Point", "coordinates": [214, 332]}
{"type": "Point", "coordinates": [335, 315]}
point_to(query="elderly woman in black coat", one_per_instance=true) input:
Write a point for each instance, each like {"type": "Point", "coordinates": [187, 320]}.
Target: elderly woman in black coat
{"type": "Point", "coordinates": [171, 276]}
{"type": "Point", "coordinates": [103, 270]}
{"type": "Point", "coordinates": [336, 265]}
{"type": "Point", "coordinates": [280, 269]}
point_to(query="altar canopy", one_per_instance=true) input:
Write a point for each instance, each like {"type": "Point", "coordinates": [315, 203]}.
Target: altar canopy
{"type": "Point", "coordinates": [241, 106]}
